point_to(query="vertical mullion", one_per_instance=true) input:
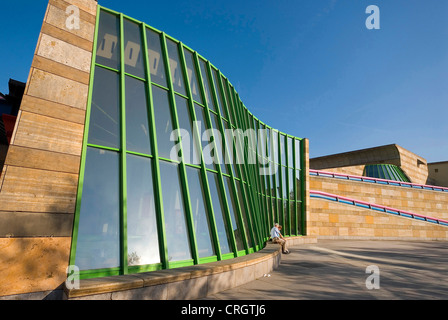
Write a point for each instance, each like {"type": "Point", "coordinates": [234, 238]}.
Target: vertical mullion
{"type": "Point", "coordinates": [183, 173]}
{"type": "Point", "coordinates": [124, 240]}
{"type": "Point", "coordinates": [294, 179]}
{"type": "Point", "coordinates": [84, 143]}
{"type": "Point", "coordinates": [163, 250]}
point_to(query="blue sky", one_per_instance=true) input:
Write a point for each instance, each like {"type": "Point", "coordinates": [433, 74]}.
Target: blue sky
{"type": "Point", "coordinates": [310, 68]}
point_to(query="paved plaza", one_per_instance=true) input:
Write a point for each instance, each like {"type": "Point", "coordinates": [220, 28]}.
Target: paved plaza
{"type": "Point", "coordinates": [346, 269]}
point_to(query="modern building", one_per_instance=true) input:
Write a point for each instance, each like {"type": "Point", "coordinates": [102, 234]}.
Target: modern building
{"type": "Point", "coordinates": [132, 156]}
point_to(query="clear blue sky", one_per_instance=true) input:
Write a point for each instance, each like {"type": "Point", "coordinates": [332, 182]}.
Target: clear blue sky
{"type": "Point", "coordinates": [310, 68]}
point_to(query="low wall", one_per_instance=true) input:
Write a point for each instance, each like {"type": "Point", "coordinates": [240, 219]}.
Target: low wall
{"type": "Point", "coordinates": [334, 220]}
{"type": "Point", "coordinates": [425, 202]}
{"type": "Point", "coordinates": [185, 283]}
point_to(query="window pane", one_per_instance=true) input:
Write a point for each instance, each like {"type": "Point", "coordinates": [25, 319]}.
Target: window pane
{"type": "Point", "coordinates": [229, 102]}
{"type": "Point", "coordinates": [104, 127]}
{"type": "Point", "coordinates": [282, 150]}
{"type": "Point", "coordinates": [284, 182]}
{"type": "Point", "coordinates": [200, 213]}
{"type": "Point", "coordinates": [207, 87]}
{"type": "Point", "coordinates": [178, 242]}
{"type": "Point", "coordinates": [297, 152]}
{"type": "Point", "coordinates": [207, 150]}
{"type": "Point", "coordinates": [246, 218]}
{"type": "Point", "coordinates": [192, 76]}
{"type": "Point", "coordinates": [98, 243]}
{"type": "Point", "coordinates": [156, 61]}
{"type": "Point", "coordinates": [164, 127]}
{"type": "Point", "coordinates": [290, 153]}
{"type": "Point", "coordinates": [285, 230]}
{"type": "Point", "coordinates": [133, 53]}
{"type": "Point", "coordinates": [190, 147]}
{"type": "Point", "coordinates": [237, 230]}
{"type": "Point", "coordinates": [143, 242]}
{"type": "Point", "coordinates": [108, 50]}
{"type": "Point", "coordinates": [292, 210]}
{"type": "Point", "coordinates": [219, 93]}
{"type": "Point", "coordinates": [219, 213]}
{"type": "Point", "coordinates": [177, 76]}
{"type": "Point", "coordinates": [217, 137]}
{"type": "Point", "coordinates": [291, 183]}
{"type": "Point", "coordinates": [137, 128]}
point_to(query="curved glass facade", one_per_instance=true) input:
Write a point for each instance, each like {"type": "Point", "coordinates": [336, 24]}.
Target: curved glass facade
{"type": "Point", "coordinates": [385, 171]}
{"type": "Point", "coordinates": [175, 170]}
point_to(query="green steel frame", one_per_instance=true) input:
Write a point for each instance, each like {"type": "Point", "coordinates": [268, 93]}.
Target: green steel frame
{"type": "Point", "coordinates": [259, 206]}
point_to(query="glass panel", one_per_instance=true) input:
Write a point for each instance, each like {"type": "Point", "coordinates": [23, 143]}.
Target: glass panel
{"type": "Point", "coordinates": [178, 242]}
{"type": "Point", "coordinates": [207, 87]}
{"type": "Point", "coordinates": [284, 182]}
{"type": "Point", "coordinates": [133, 53]}
{"type": "Point", "coordinates": [164, 126]}
{"type": "Point", "coordinates": [192, 76]}
{"type": "Point", "coordinates": [137, 128]}
{"type": "Point", "coordinates": [143, 242]}
{"type": "Point", "coordinates": [237, 230]}
{"type": "Point", "coordinates": [98, 243]}
{"type": "Point", "coordinates": [156, 61]}
{"type": "Point", "coordinates": [291, 183]}
{"type": "Point", "coordinates": [219, 213]}
{"type": "Point", "coordinates": [229, 102]}
{"type": "Point", "coordinates": [207, 150]}
{"type": "Point", "coordinates": [246, 218]}
{"type": "Point", "coordinates": [217, 137]}
{"type": "Point", "coordinates": [290, 153]}
{"type": "Point", "coordinates": [218, 93]}
{"type": "Point", "coordinates": [177, 76]}
{"type": "Point", "coordinates": [285, 230]}
{"type": "Point", "coordinates": [282, 150]}
{"type": "Point", "coordinates": [108, 50]}
{"type": "Point", "coordinates": [299, 217]}
{"type": "Point", "coordinates": [275, 146]}
{"type": "Point", "coordinates": [104, 127]}
{"type": "Point", "coordinates": [297, 153]}
{"type": "Point", "coordinates": [298, 185]}
{"type": "Point", "coordinates": [200, 213]}
{"type": "Point", "coordinates": [292, 210]}
{"type": "Point", "coordinates": [190, 145]}
{"type": "Point", "coordinates": [277, 175]}
{"type": "Point", "coordinates": [229, 154]}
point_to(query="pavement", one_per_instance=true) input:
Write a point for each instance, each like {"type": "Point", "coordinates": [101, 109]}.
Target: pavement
{"type": "Point", "coordinates": [353, 270]}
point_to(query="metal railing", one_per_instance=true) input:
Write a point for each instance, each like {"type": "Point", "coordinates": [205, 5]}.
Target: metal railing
{"type": "Point", "coordinates": [375, 180]}
{"type": "Point", "coordinates": [367, 205]}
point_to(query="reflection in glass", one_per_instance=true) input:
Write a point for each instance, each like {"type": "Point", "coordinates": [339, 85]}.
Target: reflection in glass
{"type": "Point", "coordinates": [191, 147]}
{"type": "Point", "coordinates": [282, 150]}
{"type": "Point", "coordinates": [104, 126]}
{"type": "Point", "coordinates": [219, 213]}
{"type": "Point", "coordinates": [207, 149]}
{"type": "Point", "coordinates": [217, 137]}
{"type": "Point", "coordinates": [229, 101]}
{"type": "Point", "coordinates": [201, 222]}
{"type": "Point", "coordinates": [207, 87]}
{"type": "Point", "coordinates": [143, 243]}
{"type": "Point", "coordinates": [291, 183]}
{"type": "Point", "coordinates": [164, 126]}
{"type": "Point", "coordinates": [299, 217]}
{"type": "Point", "coordinates": [133, 53]}
{"type": "Point", "coordinates": [156, 61]}
{"type": "Point", "coordinates": [285, 230]}
{"type": "Point", "coordinates": [137, 128]}
{"type": "Point", "coordinates": [219, 93]}
{"type": "Point", "coordinates": [292, 209]}
{"type": "Point", "coordinates": [108, 50]}
{"type": "Point", "coordinates": [284, 182]}
{"type": "Point", "coordinates": [242, 201]}
{"type": "Point", "coordinates": [98, 244]}
{"type": "Point", "coordinates": [290, 153]}
{"type": "Point", "coordinates": [237, 230]}
{"type": "Point", "coordinates": [177, 76]}
{"type": "Point", "coordinates": [178, 242]}
{"type": "Point", "coordinates": [297, 153]}
{"type": "Point", "coordinates": [192, 76]}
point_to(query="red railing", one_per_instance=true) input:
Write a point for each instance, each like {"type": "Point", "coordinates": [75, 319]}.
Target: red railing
{"type": "Point", "coordinates": [375, 180]}
{"type": "Point", "coordinates": [377, 207]}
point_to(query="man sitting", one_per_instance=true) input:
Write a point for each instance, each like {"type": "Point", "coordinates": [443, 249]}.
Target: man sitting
{"type": "Point", "coordinates": [277, 237]}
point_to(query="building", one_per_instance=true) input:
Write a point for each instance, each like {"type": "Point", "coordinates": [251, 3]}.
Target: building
{"type": "Point", "coordinates": [132, 155]}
